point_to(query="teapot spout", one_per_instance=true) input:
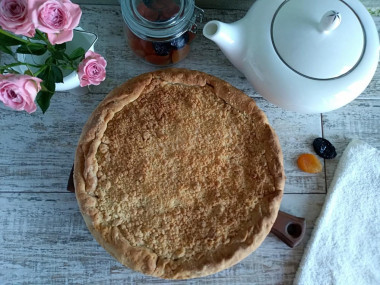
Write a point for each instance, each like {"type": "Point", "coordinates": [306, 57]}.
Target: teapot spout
{"type": "Point", "coordinates": [228, 38]}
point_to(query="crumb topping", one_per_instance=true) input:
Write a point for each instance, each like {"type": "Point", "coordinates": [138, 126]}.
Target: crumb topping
{"type": "Point", "coordinates": [181, 172]}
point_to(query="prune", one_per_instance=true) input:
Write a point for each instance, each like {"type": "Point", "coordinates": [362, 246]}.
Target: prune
{"type": "Point", "coordinates": [161, 48]}
{"type": "Point", "coordinates": [324, 148]}
{"type": "Point", "coordinates": [180, 42]}
{"type": "Point", "coordinates": [309, 163]}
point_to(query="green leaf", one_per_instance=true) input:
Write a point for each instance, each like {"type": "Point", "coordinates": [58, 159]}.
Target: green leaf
{"type": "Point", "coordinates": [48, 78]}
{"type": "Point", "coordinates": [32, 48]}
{"type": "Point", "coordinates": [58, 51]}
{"type": "Point", "coordinates": [61, 47]}
{"type": "Point", "coordinates": [49, 60]}
{"type": "Point", "coordinates": [43, 100]}
{"type": "Point", "coordinates": [58, 54]}
{"type": "Point", "coordinates": [10, 40]}
{"type": "Point", "coordinates": [6, 49]}
{"type": "Point", "coordinates": [39, 36]}
{"type": "Point", "coordinates": [77, 53]}
{"type": "Point", "coordinates": [66, 67]}
{"type": "Point", "coordinates": [56, 72]}
{"type": "Point", "coordinates": [48, 87]}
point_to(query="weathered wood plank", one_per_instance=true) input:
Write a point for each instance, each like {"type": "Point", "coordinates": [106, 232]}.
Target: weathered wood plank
{"type": "Point", "coordinates": [221, 4]}
{"type": "Point", "coordinates": [358, 120]}
{"type": "Point", "coordinates": [37, 151]}
{"type": "Point", "coordinates": [45, 241]}
{"type": "Point", "coordinates": [211, 4]}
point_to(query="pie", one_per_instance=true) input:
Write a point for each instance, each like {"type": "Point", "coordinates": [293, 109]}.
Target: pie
{"type": "Point", "coordinates": [178, 174]}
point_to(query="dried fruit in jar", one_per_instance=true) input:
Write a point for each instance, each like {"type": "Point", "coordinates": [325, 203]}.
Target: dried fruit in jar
{"type": "Point", "coordinates": [181, 41]}
{"type": "Point", "coordinates": [309, 163]}
{"type": "Point", "coordinates": [162, 48]}
{"type": "Point", "coordinates": [158, 59]}
{"type": "Point", "coordinates": [155, 51]}
{"type": "Point", "coordinates": [149, 14]}
{"type": "Point", "coordinates": [147, 47]}
{"type": "Point", "coordinates": [171, 10]}
{"type": "Point", "coordinates": [324, 148]}
{"type": "Point", "coordinates": [158, 10]}
{"type": "Point", "coordinates": [148, 3]}
{"type": "Point", "coordinates": [179, 54]}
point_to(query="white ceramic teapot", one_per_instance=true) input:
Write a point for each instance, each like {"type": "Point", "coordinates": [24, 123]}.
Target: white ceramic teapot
{"type": "Point", "coordinates": [303, 55]}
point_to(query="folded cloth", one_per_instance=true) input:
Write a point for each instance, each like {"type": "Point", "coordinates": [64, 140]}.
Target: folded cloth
{"type": "Point", "coordinates": [344, 247]}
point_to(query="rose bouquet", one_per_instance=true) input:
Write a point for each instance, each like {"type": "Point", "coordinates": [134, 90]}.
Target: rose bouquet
{"type": "Point", "coordinates": [35, 28]}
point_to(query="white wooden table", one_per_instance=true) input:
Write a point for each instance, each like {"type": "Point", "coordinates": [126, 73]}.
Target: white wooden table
{"type": "Point", "coordinates": [43, 238]}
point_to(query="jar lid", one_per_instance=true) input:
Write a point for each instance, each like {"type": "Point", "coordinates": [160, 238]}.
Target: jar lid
{"type": "Point", "coordinates": [158, 19]}
{"type": "Point", "coordinates": [318, 39]}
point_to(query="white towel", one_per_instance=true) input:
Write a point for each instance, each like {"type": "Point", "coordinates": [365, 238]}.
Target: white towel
{"type": "Point", "coordinates": [344, 247]}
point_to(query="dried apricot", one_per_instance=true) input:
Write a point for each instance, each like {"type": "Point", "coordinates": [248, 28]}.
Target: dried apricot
{"type": "Point", "coordinates": [158, 59]}
{"type": "Point", "coordinates": [136, 47]}
{"type": "Point", "coordinates": [148, 13]}
{"type": "Point", "coordinates": [169, 11]}
{"type": "Point", "coordinates": [191, 37]}
{"type": "Point", "coordinates": [179, 54]}
{"type": "Point", "coordinates": [309, 163]}
{"type": "Point", "coordinates": [147, 46]}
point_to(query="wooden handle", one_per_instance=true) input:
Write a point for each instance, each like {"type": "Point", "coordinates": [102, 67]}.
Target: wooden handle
{"type": "Point", "coordinates": [290, 229]}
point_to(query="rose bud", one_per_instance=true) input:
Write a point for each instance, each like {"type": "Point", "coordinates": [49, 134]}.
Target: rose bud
{"type": "Point", "coordinates": [92, 70]}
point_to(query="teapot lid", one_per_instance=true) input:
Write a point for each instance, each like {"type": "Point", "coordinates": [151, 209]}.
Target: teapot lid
{"type": "Point", "coordinates": [318, 39]}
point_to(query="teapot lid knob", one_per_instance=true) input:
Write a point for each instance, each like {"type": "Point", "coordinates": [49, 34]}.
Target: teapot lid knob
{"type": "Point", "coordinates": [330, 21]}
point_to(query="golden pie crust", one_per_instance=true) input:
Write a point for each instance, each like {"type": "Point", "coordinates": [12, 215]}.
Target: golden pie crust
{"type": "Point", "coordinates": [178, 174]}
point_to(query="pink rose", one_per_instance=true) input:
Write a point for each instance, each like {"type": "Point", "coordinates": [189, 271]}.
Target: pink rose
{"type": "Point", "coordinates": [15, 17]}
{"type": "Point", "coordinates": [19, 91]}
{"type": "Point", "coordinates": [92, 70]}
{"type": "Point", "coordinates": [57, 18]}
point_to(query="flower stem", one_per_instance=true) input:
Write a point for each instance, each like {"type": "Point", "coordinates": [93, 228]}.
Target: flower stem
{"type": "Point", "coordinates": [8, 34]}
{"type": "Point", "coordinates": [69, 61]}
{"type": "Point", "coordinates": [40, 70]}
{"type": "Point", "coordinates": [44, 38]}
{"type": "Point", "coordinates": [23, 63]}
{"type": "Point", "coordinates": [9, 70]}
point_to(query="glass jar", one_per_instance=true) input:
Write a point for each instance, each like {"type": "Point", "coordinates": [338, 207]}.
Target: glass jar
{"type": "Point", "coordinates": [160, 31]}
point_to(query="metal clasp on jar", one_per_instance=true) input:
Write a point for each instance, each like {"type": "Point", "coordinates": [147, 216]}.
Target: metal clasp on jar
{"type": "Point", "coordinates": [197, 18]}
